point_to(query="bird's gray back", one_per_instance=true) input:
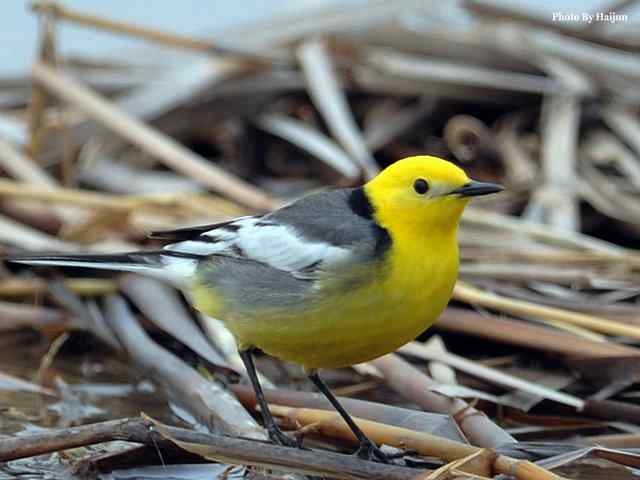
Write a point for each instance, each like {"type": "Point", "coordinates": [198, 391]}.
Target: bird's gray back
{"type": "Point", "coordinates": [329, 236]}
{"type": "Point", "coordinates": [341, 217]}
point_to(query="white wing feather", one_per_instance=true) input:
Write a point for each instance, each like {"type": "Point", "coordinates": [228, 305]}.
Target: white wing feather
{"type": "Point", "coordinates": [279, 246]}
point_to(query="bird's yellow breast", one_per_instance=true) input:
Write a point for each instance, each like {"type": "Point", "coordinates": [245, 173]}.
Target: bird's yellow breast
{"type": "Point", "coordinates": [377, 309]}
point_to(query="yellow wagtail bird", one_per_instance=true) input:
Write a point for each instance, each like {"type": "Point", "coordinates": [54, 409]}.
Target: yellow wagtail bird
{"type": "Point", "coordinates": [334, 279]}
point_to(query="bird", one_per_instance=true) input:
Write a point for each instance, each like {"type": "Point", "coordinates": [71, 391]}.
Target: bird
{"type": "Point", "coordinates": [336, 278]}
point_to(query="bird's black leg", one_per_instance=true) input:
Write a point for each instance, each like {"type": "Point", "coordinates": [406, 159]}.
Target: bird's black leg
{"type": "Point", "coordinates": [276, 435]}
{"type": "Point", "coordinates": [367, 449]}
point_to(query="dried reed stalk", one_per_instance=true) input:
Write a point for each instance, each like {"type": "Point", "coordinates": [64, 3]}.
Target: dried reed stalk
{"type": "Point", "coordinates": [206, 400]}
{"type": "Point", "coordinates": [490, 375]}
{"type": "Point", "coordinates": [527, 335]}
{"type": "Point", "coordinates": [167, 150]}
{"type": "Point", "coordinates": [23, 287]}
{"type": "Point", "coordinates": [466, 293]}
{"type": "Point", "coordinates": [331, 424]}
{"type": "Point", "coordinates": [411, 383]}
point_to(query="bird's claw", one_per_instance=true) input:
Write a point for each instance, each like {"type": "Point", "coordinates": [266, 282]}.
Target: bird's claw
{"type": "Point", "coordinates": [369, 451]}
{"type": "Point", "coordinates": [278, 437]}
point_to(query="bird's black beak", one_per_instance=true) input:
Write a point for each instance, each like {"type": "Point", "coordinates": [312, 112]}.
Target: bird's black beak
{"type": "Point", "coordinates": [474, 189]}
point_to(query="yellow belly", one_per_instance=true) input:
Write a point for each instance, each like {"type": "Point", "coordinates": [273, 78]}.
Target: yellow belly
{"type": "Point", "coordinates": [343, 327]}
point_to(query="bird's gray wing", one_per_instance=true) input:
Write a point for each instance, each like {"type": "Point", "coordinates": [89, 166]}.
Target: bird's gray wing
{"type": "Point", "coordinates": [324, 231]}
{"type": "Point", "coordinates": [189, 233]}
{"type": "Point", "coordinates": [248, 286]}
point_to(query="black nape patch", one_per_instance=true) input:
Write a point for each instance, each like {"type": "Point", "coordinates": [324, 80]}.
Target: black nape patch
{"type": "Point", "coordinates": [360, 203]}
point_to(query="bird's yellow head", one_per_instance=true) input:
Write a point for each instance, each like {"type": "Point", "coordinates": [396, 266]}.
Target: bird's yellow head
{"type": "Point", "coordinates": [422, 193]}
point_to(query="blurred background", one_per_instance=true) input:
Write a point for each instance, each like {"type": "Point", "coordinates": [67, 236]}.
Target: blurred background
{"type": "Point", "coordinates": [198, 18]}
{"type": "Point", "coordinates": [122, 117]}
{"type": "Point", "coordinates": [192, 17]}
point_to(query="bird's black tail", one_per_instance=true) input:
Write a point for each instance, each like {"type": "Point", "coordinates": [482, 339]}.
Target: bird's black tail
{"type": "Point", "coordinates": [167, 265]}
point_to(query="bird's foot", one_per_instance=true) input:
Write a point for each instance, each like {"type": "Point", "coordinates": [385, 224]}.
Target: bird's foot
{"type": "Point", "coordinates": [400, 454]}
{"type": "Point", "coordinates": [369, 451]}
{"type": "Point", "coordinates": [278, 437]}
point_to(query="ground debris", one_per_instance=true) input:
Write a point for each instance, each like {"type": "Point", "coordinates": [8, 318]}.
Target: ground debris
{"type": "Point", "coordinates": [534, 363]}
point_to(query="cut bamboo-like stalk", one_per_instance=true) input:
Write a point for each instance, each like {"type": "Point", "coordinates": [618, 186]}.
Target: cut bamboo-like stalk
{"type": "Point", "coordinates": [22, 287]}
{"type": "Point", "coordinates": [546, 233]}
{"type": "Point", "coordinates": [208, 401]}
{"type": "Point", "coordinates": [25, 169]}
{"type": "Point", "coordinates": [19, 166]}
{"type": "Point", "coordinates": [331, 424]}
{"type": "Point", "coordinates": [414, 385]}
{"type": "Point", "coordinates": [490, 374]}
{"type": "Point", "coordinates": [466, 293]}
{"type": "Point", "coordinates": [71, 196]}
{"type": "Point", "coordinates": [312, 140]}
{"type": "Point", "coordinates": [554, 202]}
{"type": "Point", "coordinates": [162, 305]}
{"type": "Point", "coordinates": [329, 97]}
{"type": "Point", "coordinates": [620, 440]}
{"type": "Point", "coordinates": [548, 256]}
{"type": "Point", "coordinates": [90, 199]}
{"type": "Point", "coordinates": [20, 315]}
{"type": "Point", "coordinates": [421, 68]}
{"type": "Point", "coordinates": [625, 124]}
{"type": "Point", "coordinates": [519, 272]}
{"type": "Point", "coordinates": [167, 150]}
{"type": "Point", "coordinates": [412, 419]}
{"type": "Point", "coordinates": [579, 332]}
{"type": "Point", "coordinates": [11, 382]}
{"type": "Point", "coordinates": [528, 335]}
{"type": "Point", "coordinates": [15, 233]}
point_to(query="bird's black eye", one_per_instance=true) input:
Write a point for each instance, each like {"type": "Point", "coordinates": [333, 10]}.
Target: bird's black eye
{"type": "Point", "coordinates": [421, 186]}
